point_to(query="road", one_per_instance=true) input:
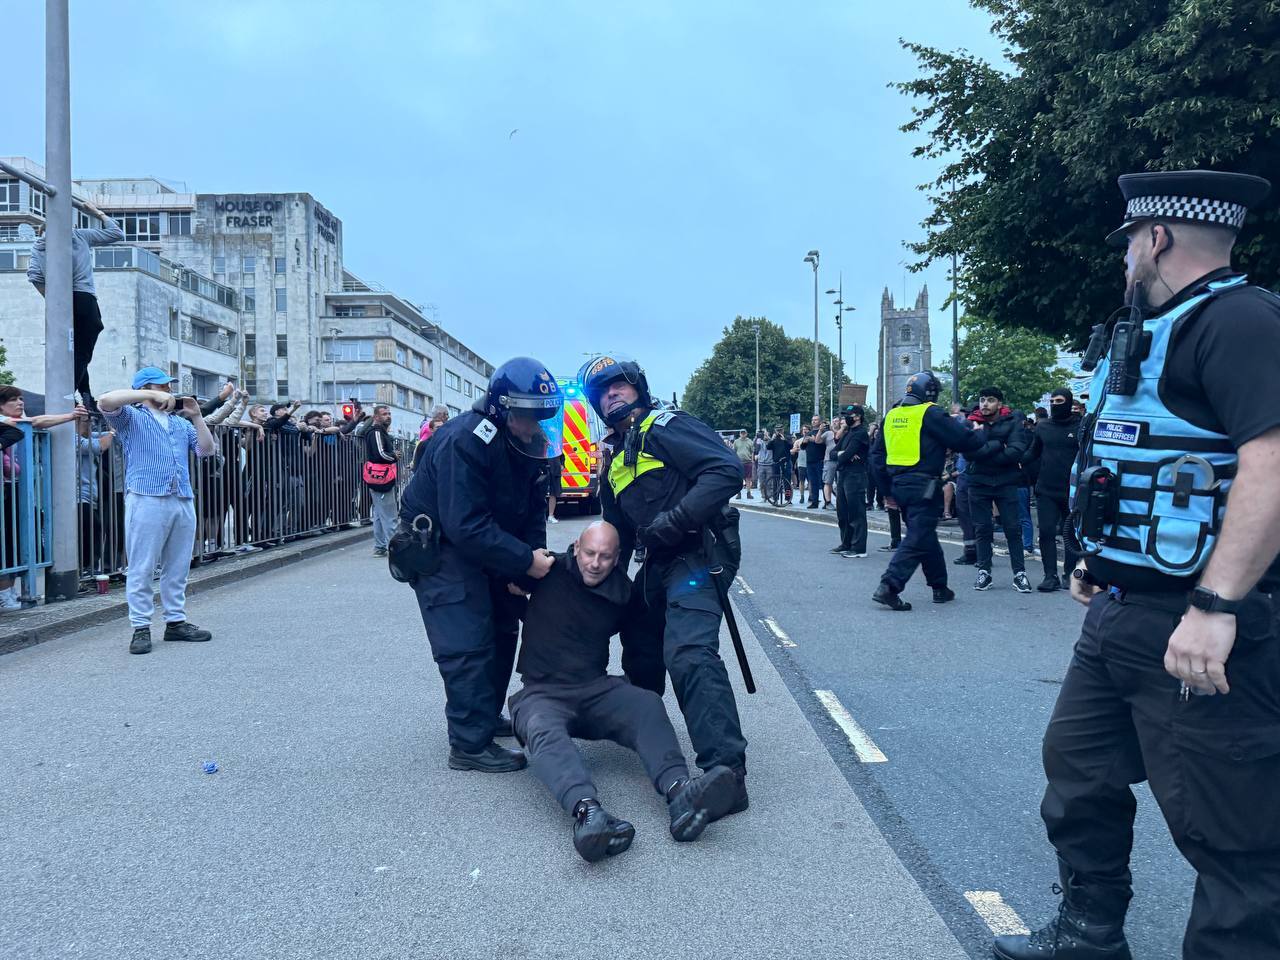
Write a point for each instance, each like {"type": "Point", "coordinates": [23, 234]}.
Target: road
{"type": "Point", "coordinates": [956, 698]}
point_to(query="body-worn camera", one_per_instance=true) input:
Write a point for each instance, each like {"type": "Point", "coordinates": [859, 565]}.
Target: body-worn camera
{"type": "Point", "coordinates": [1097, 502]}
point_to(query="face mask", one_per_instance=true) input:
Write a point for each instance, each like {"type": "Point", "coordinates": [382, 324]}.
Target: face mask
{"type": "Point", "coordinates": [1060, 411]}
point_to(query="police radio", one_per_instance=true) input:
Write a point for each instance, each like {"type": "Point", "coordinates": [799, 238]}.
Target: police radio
{"type": "Point", "coordinates": [1124, 342]}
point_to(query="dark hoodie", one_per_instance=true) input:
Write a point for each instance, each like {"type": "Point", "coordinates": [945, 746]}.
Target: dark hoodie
{"type": "Point", "coordinates": [1003, 469]}
{"type": "Point", "coordinates": [568, 625]}
{"type": "Point", "coordinates": [1056, 446]}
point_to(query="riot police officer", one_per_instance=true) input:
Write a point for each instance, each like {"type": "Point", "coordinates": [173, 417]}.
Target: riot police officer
{"type": "Point", "coordinates": [483, 484]}
{"type": "Point", "coordinates": [908, 456]}
{"type": "Point", "coordinates": [670, 479]}
{"type": "Point", "coordinates": [1176, 676]}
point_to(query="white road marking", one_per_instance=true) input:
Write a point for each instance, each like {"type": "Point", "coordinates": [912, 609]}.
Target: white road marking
{"type": "Point", "coordinates": [783, 515]}
{"type": "Point", "coordinates": [863, 746]}
{"type": "Point", "coordinates": [742, 585]}
{"type": "Point", "coordinates": [999, 916]}
{"type": "Point", "coordinates": [777, 631]}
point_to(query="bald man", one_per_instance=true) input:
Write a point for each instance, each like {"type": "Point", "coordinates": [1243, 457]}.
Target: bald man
{"type": "Point", "coordinates": [564, 654]}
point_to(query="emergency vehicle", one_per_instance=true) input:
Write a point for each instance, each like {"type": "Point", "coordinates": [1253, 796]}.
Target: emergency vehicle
{"type": "Point", "coordinates": [580, 476]}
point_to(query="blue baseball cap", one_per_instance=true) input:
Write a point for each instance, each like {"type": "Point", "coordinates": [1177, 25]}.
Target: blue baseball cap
{"type": "Point", "coordinates": [151, 375]}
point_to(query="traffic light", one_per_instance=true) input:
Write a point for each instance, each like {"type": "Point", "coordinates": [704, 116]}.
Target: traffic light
{"type": "Point", "coordinates": [348, 411]}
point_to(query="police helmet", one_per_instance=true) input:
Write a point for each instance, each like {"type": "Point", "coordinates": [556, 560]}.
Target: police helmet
{"type": "Point", "coordinates": [598, 373]}
{"type": "Point", "coordinates": [923, 386]}
{"type": "Point", "coordinates": [524, 399]}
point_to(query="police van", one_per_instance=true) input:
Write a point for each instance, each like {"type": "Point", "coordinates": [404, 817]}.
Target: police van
{"type": "Point", "coordinates": [580, 475]}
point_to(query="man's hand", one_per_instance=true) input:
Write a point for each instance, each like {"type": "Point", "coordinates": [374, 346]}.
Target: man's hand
{"type": "Point", "coordinates": [517, 591]}
{"type": "Point", "coordinates": [1082, 591]}
{"type": "Point", "coordinates": [666, 530]}
{"type": "Point", "coordinates": [166, 401]}
{"type": "Point", "coordinates": [543, 561]}
{"type": "Point", "coordinates": [227, 390]}
{"type": "Point", "coordinates": [1199, 648]}
{"type": "Point", "coordinates": [190, 408]}
{"type": "Point", "coordinates": [79, 413]}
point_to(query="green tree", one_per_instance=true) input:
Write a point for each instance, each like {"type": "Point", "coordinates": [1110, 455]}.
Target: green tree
{"type": "Point", "coordinates": [722, 391]}
{"type": "Point", "coordinates": [1019, 362]}
{"type": "Point", "coordinates": [6, 375]}
{"type": "Point", "coordinates": [1032, 148]}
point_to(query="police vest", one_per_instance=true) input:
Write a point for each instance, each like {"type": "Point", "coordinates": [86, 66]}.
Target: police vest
{"type": "Point", "coordinates": [1172, 476]}
{"type": "Point", "coordinates": [622, 476]}
{"type": "Point", "coordinates": [902, 426]}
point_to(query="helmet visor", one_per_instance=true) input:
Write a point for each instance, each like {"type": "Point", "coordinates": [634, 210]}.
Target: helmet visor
{"type": "Point", "coordinates": [535, 426]}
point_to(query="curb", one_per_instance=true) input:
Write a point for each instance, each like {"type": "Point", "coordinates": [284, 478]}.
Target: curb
{"type": "Point", "coordinates": [91, 611]}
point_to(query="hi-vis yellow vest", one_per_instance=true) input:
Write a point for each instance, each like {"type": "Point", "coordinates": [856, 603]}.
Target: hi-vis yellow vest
{"type": "Point", "coordinates": [620, 475]}
{"type": "Point", "coordinates": [902, 426]}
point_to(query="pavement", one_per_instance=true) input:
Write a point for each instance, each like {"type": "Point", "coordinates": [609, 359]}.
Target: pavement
{"type": "Point", "coordinates": [333, 828]}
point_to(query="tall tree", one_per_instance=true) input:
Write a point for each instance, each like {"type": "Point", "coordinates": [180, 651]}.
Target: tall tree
{"type": "Point", "coordinates": [1032, 147]}
{"type": "Point", "coordinates": [722, 391]}
{"type": "Point", "coordinates": [6, 375]}
{"type": "Point", "coordinates": [1019, 362]}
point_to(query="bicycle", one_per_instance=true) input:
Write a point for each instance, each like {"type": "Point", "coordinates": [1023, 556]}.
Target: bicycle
{"type": "Point", "coordinates": [775, 488]}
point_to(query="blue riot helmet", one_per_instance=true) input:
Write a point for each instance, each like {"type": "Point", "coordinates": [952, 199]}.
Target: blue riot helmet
{"type": "Point", "coordinates": [924, 386]}
{"type": "Point", "coordinates": [597, 374]}
{"type": "Point", "coordinates": [524, 399]}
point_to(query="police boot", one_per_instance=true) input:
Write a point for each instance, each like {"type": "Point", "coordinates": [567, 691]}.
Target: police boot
{"type": "Point", "coordinates": [889, 597]}
{"type": "Point", "coordinates": [597, 834]}
{"type": "Point", "coordinates": [492, 759]}
{"type": "Point", "coordinates": [695, 803]}
{"type": "Point", "coordinates": [503, 729]}
{"type": "Point", "coordinates": [943, 594]}
{"type": "Point", "coordinates": [1086, 928]}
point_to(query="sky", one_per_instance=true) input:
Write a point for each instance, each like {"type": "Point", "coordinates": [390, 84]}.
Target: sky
{"type": "Point", "coordinates": [557, 178]}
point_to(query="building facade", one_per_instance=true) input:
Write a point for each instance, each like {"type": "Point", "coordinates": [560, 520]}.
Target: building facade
{"type": "Point", "coordinates": [904, 347]}
{"type": "Point", "coordinates": [276, 262]}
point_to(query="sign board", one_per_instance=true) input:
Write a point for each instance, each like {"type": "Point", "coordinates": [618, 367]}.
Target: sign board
{"type": "Point", "coordinates": [853, 393]}
{"type": "Point", "coordinates": [795, 423]}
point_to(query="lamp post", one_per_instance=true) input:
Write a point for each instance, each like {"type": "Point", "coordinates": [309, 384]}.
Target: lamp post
{"type": "Point", "coordinates": [333, 359]}
{"type": "Point", "coordinates": [755, 326]}
{"type": "Point", "coordinates": [812, 258]}
{"type": "Point", "coordinates": [955, 337]}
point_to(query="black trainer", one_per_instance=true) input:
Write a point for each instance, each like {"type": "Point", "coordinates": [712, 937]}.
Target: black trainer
{"type": "Point", "coordinates": [1073, 935]}
{"type": "Point", "coordinates": [1049, 584]}
{"type": "Point", "coordinates": [889, 547]}
{"type": "Point", "coordinates": [740, 801]}
{"type": "Point", "coordinates": [889, 598]}
{"type": "Point", "coordinates": [983, 581]}
{"type": "Point", "coordinates": [695, 803]}
{"type": "Point", "coordinates": [943, 594]}
{"type": "Point", "coordinates": [597, 834]}
{"type": "Point", "coordinates": [141, 642]}
{"type": "Point", "coordinates": [186, 630]}
{"type": "Point", "coordinates": [492, 759]}
{"type": "Point", "coordinates": [840, 549]}
{"type": "Point", "coordinates": [1021, 583]}
{"type": "Point", "coordinates": [965, 560]}
{"type": "Point", "coordinates": [503, 729]}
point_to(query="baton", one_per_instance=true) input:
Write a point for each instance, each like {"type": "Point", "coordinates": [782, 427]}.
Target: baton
{"type": "Point", "coordinates": [722, 592]}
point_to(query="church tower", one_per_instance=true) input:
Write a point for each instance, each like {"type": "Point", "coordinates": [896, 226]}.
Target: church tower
{"type": "Point", "coordinates": [904, 347]}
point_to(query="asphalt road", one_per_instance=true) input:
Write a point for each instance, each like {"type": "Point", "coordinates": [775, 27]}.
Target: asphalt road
{"type": "Point", "coordinates": [956, 698]}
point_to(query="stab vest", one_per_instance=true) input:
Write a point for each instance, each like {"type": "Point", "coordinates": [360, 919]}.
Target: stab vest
{"type": "Point", "coordinates": [620, 475]}
{"type": "Point", "coordinates": [902, 426]}
{"type": "Point", "coordinates": [1173, 476]}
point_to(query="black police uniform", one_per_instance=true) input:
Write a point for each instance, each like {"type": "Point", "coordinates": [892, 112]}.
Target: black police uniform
{"type": "Point", "coordinates": [490, 503]}
{"type": "Point", "coordinates": [1213, 762]}
{"type": "Point", "coordinates": [676, 623]}
{"type": "Point", "coordinates": [918, 491]}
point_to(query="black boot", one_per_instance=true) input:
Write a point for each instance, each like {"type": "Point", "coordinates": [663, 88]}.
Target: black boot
{"type": "Point", "coordinates": [1088, 927]}
{"type": "Point", "coordinates": [186, 630]}
{"type": "Point", "coordinates": [492, 759]}
{"type": "Point", "coordinates": [943, 594]}
{"type": "Point", "coordinates": [695, 803]}
{"type": "Point", "coordinates": [889, 598]}
{"type": "Point", "coordinates": [1049, 584]}
{"type": "Point", "coordinates": [503, 728]}
{"type": "Point", "coordinates": [596, 834]}
{"type": "Point", "coordinates": [966, 560]}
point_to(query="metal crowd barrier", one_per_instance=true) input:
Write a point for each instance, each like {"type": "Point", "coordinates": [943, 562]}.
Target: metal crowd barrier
{"type": "Point", "coordinates": [259, 489]}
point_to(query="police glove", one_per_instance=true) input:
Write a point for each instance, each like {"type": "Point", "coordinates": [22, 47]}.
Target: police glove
{"type": "Point", "coordinates": [667, 529]}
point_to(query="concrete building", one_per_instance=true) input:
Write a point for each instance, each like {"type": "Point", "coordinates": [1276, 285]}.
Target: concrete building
{"type": "Point", "coordinates": [904, 347]}
{"type": "Point", "coordinates": [274, 262]}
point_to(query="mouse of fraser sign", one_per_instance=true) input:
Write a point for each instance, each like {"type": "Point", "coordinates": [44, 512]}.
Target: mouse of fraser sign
{"type": "Point", "coordinates": [247, 213]}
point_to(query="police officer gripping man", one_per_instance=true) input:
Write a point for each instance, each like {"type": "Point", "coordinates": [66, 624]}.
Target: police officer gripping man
{"type": "Point", "coordinates": [1175, 678]}
{"type": "Point", "coordinates": [670, 479]}
{"type": "Point", "coordinates": [483, 485]}
{"type": "Point", "coordinates": [908, 456]}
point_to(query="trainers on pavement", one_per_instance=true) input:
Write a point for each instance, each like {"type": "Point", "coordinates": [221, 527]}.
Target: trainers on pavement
{"type": "Point", "coordinates": [695, 803]}
{"type": "Point", "coordinates": [141, 641]}
{"type": "Point", "coordinates": [186, 630]}
{"type": "Point", "coordinates": [984, 581]}
{"type": "Point", "coordinates": [1021, 583]}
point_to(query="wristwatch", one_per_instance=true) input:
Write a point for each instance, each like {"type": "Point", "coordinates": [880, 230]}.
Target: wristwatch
{"type": "Point", "coordinates": [1202, 598]}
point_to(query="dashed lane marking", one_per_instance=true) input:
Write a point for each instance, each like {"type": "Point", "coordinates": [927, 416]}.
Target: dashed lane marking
{"type": "Point", "coordinates": [742, 586]}
{"type": "Point", "coordinates": [783, 515]}
{"type": "Point", "coordinates": [999, 916]}
{"type": "Point", "coordinates": [777, 631]}
{"type": "Point", "coordinates": [863, 746]}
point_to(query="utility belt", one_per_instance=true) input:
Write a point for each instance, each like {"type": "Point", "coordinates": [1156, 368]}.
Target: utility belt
{"type": "Point", "coordinates": [1168, 601]}
{"type": "Point", "coordinates": [415, 549]}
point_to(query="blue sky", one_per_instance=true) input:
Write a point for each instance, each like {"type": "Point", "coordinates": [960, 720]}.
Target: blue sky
{"type": "Point", "coordinates": [673, 161]}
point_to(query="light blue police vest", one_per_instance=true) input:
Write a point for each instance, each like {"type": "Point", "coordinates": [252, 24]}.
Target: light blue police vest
{"type": "Point", "coordinates": [1173, 476]}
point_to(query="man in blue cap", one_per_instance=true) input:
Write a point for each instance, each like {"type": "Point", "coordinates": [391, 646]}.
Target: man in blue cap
{"type": "Point", "coordinates": [1175, 679]}
{"type": "Point", "coordinates": [159, 504]}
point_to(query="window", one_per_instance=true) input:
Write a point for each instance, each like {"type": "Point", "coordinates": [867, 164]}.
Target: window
{"type": "Point", "coordinates": [138, 227]}
{"type": "Point", "coordinates": [348, 350]}
{"type": "Point", "coordinates": [180, 224]}
{"type": "Point", "coordinates": [400, 356]}
{"type": "Point", "coordinates": [282, 345]}
{"type": "Point", "coordinates": [250, 345]}
{"type": "Point", "coordinates": [282, 301]}
{"type": "Point", "coordinates": [8, 231]}
{"type": "Point", "coordinates": [364, 392]}
{"type": "Point", "coordinates": [415, 401]}
{"type": "Point", "coordinates": [453, 411]}
{"type": "Point", "coordinates": [348, 311]}
{"type": "Point", "coordinates": [466, 388]}
{"type": "Point", "coordinates": [250, 301]}
{"type": "Point", "coordinates": [282, 389]}
{"type": "Point", "coordinates": [452, 380]}
{"type": "Point", "coordinates": [402, 399]}
{"type": "Point", "coordinates": [249, 266]}
{"type": "Point", "coordinates": [205, 384]}
{"type": "Point", "coordinates": [415, 363]}
{"type": "Point", "coordinates": [82, 220]}
{"type": "Point", "coordinates": [905, 333]}
{"type": "Point", "coordinates": [9, 195]}
{"type": "Point", "coordinates": [37, 201]}
{"type": "Point", "coordinates": [173, 323]}
{"type": "Point", "coordinates": [430, 367]}
{"type": "Point", "coordinates": [173, 369]}
{"type": "Point", "coordinates": [250, 281]}
{"type": "Point", "coordinates": [280, 265]}
{"type": "Point", "coordinates": [219, 265]}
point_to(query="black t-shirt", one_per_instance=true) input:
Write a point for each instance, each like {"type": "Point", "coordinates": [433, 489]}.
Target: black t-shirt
{"type": "Point", "coordinates": [1221, 376]}
{"type": "Point", "coordinates": [780, 447]}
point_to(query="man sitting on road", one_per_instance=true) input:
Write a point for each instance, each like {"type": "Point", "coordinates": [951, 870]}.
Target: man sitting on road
{"type": "Point", "coordinates": [573, 612]}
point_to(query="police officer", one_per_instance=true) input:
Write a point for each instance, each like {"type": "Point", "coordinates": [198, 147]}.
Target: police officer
{"type": "Point", "coordinates": [670, 478]}
{"type": "Point", "coordinates": [1176, 676]}
{"type": "Point", "coordinates": [483, 483]}
{"type": "Point", "coordinates": [908, 456]}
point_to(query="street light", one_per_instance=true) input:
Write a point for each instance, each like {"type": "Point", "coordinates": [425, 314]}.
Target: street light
{"type": "Point", "coordinates": [755, 327]}
{"type": "Point", "coordinates": [841, 310]}
{"type": "Point", "coordinates": [812, 258]}
{"type": "Point", "coordinates": [333, 359]}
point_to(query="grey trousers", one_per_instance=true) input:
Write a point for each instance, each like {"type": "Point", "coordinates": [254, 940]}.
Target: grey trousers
{"type": "Point", "coordinates": [158, 531]}
{"type": "Point", "coordinates": [385, 512]}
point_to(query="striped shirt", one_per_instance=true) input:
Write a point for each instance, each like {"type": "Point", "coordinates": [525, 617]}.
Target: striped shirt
{"type": "Point", "coordinates": [155, 458]}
